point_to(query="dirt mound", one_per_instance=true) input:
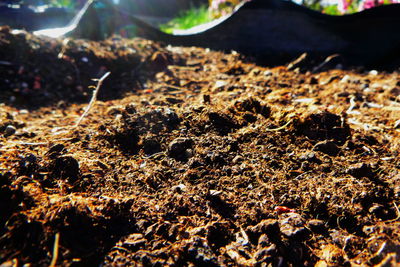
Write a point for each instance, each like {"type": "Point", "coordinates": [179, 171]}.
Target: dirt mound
{"type": "Point", "coordinates": [41, 72]}
{"type": "Point", "coordinates": [214, 162]}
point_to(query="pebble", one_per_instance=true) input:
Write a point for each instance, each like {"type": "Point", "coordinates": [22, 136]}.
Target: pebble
{"type": "Point", "coordinates": [317, 226]}
{"type": "Point", "coordinates": [219, 84]}
{"type": "Point", "coordinates": [373, 72]}
{"type": "Point", "coordinates": [397, 124]}
{"type": "Point", "coordinates": [270, 227]}
{"type": "Point", "coordinates": [179, 147]}
{"type": "Point", "coordinates": [298, 234]}
{"type": "Point", "coordinates": [292, 226]}
{"type": "Point", "coordinates": [345, 79]}
{"type": "Point", "coordinates": [268, 73]}
{"type": "Point", "coordinates": [310, 157]}
{"type": "Point", "coordinates": [9, 130]}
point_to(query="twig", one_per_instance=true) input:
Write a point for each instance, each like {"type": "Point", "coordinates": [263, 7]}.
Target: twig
{"type": "Point", "coordinates": [397, 213]}
{"type": "Point", "coordinates": [55, 251]}
{"type": "Point", "coordinates": [352, 105]}
{"type": "Point", "coordinates": [280, 128]}
{"type": "Point", "coordinates": [294, 64]}
{"type": "Point", "coordinates": [94, 98]}
{"type": "Point", "coordinates": [326, 61]}
{"type": "Point", "coordinates": [397, 210]}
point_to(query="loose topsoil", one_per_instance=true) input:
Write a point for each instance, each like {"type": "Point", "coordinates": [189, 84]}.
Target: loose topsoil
{"type": "Point", "coordinates": [193, 157]}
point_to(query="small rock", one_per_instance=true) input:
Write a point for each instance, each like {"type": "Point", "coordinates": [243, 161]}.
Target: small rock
{"type": "Point", "coordinates": [360, 170]}
{"type": "Point", "coordinates": [177, 149]}
{"type": "Point", "coordinates": [297, 234]}
{"type": "Point", "coordinates": [345, 79]}
{"type": "Point", "coordinates": [373, 72]}
{"type": "Point", "coordinates": [219, 84]}
{"type": "Point", "coordinates": [9, 130]}
{"type": "Point", "coordinates": [317, 226]}
{"type": "Point", "coordinates": [292, 219]}
{"type": "Point", "coordinates": [310, 157]}
{"type": "Point", "coordinates": [292, 226]}
{"type": "Point", "coordinates": [268, 73]}
{"type": "Point", "coordinates": [397, 124]}
{"type": "Point", "coordinates": [327, 147]}
{"type": "Point", "coordinates": [270, 227]}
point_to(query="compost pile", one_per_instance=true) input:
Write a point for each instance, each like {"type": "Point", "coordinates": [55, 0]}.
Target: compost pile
{"type": "Point", "coordinates": [193, 157]}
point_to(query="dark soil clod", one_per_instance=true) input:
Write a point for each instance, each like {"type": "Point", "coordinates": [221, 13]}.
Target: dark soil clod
{"type": "Point", "coordinates": [179, 148]}
{"type": "Point", "coordinates": [327, 147]}
{"type": "Point", "coordinates": [222, 123]}
{"type": "Point", "coordinates": [324, 126]}
{"type": "Point", "coordinates": [360, 170]}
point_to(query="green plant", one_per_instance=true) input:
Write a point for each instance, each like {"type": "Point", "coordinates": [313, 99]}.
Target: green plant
{"type": "Point", "coordinates": [330, 10]}
{"type": "Point", "coordinates": [54, 3]}
{"type": "Point", "coordinates": [188, 19]}
{"type": "Point", "coordinates": [343, 7]}
{"type": "Point", "coordinates": [63, 3]}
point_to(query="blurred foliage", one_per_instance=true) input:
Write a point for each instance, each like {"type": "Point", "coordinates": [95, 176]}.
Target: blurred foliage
{"type": "Point", "coordinates": [188, 19]}
{"type": "Point", "coordinates": [219, 8]}
{"type": "Point", "coordinates": [53, 3]}
{"type": "Point", "coordinates": [343, 7]}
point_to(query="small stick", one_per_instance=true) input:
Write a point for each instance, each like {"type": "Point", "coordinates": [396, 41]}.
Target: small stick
{"type": "Point", "coordinates": [326, 61]}
{"type": "Point", "coordinates": [280, 128]}
{"type": "Point", "coordinates": [294, 64]}
{"type": "Point", "coordinates": [55, 251]}
{"type": "Point", "coordinates": [94, 98]}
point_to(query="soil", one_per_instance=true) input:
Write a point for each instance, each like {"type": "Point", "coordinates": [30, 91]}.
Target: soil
{"type": "Point", "coordinates": [193, 157]}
